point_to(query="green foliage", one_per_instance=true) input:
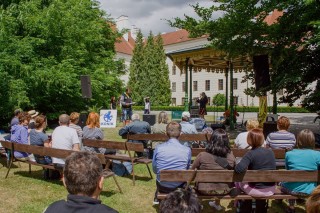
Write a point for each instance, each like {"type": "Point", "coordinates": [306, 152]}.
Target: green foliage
{"type": "Point", "coordinates": [292, 42]}
{"type": "Point", "coordinates": [149, 73]}
{"type": "Point", "coordinates": [219, 99]}
{"type": "Point", "coordinates": [44, 48]}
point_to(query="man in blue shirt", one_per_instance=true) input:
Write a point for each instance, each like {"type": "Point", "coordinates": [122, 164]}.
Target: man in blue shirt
{"type": "Point", "coordinates": [171, 155]}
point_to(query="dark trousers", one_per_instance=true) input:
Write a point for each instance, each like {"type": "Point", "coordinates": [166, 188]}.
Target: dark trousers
{"type": "Point", "coordinates": [164, 189]}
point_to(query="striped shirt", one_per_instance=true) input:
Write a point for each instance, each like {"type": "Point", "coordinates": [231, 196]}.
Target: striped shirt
{"type": "Point", "coordinates": [281, 140]}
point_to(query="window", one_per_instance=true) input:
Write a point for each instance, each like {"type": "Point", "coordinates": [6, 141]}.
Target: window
{"type": "Point", "coordinates": [235, 83]}
{"type": "Point", "coordinates": [207, 85]}
{"type": "Point", "coordinates": [174, 68]}
{"type": "Point", "coordinates": [182, 100]}
{"type": "Point", "coordinates": [173, 87]}
{"type": "Point", "coordinates": [173, 101]}
{"type": "Point", "coordinates": [235, 100]}
{"type": "Point", "coordinates": [209, 101]}
{"type": "Point", "coordinates": [220, 84]}
{"type": "Point", "coordinates": [195, 85]}
{"type": "Point", "coordinates": [183, 86]}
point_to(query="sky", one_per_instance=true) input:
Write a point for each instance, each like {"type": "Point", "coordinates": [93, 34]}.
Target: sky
{"type": "Point", "coordinates": [151, 14]}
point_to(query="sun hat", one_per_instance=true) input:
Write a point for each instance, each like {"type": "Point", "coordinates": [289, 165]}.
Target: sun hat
{"type": "Point", "coordinates": [185, 114]}
{"type": "Point", "coordinates": [33, 113]}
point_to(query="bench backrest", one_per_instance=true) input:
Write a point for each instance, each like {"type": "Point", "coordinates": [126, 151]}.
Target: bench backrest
{"type": "Point", "coordinates": [137, 147]}
{"type": "Point", "coordinates": [164, 137]}
{"type": "Point", "coordinates": [217, 176]}
{"type": "Point", "coordinates": [279, 153]}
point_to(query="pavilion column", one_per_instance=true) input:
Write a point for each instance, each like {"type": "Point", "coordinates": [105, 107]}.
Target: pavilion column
{"type": "Point", "coordinates": [186, 107]}
{"type": "Point", "coordinates": [190, 99]}
{"type": "Point", "coordinates": [226, 74]}
{"type": "Point", "coordinates": [231, 97]}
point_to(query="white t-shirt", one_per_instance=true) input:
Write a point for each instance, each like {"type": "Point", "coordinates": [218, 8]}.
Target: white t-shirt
{"type": "Point", "coordinates": [63, 137]}
{"type": "Point", "coordinates": [146, 105]}
{"type": "Point", "coordinates": [241, 140]}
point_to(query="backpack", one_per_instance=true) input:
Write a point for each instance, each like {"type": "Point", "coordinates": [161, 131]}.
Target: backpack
{"type": "Point", "coordinates": [121, 168]}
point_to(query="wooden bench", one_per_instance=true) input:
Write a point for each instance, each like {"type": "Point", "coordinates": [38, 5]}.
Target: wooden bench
{"type": "Point", "coordinates": [164, 137]}
{"type": "Point", "coordinates": [51, 152]}
{"type": "Point", "coordinates": [228, 176]}
{"type": "Point", "coordinates": [124, 146]}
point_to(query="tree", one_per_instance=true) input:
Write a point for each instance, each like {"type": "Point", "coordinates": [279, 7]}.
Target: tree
{"type": "Point", "coordinates": [45, 45]}
{"type": "Point", "coordinates": [242, 30]}
{"type": "Point", "coordinates": [149, 73]}
{"type": "Point", "coordinates": [219, 99]}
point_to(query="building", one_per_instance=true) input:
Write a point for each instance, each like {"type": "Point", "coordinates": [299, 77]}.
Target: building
{"type": "Point", "coordinates": [209, 81]}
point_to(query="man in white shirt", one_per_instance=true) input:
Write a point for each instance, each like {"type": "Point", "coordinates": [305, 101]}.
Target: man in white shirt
{"type": "Point", "coordinates": [187, 128]}
{"type": "Point", "coordinates": [64, 137]}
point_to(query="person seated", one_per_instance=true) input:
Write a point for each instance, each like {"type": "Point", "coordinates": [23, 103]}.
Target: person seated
{"type": "Point", "coordinates": [19, 134]}
{"type": "Point", "coordinates": [159, 127]}
{"type": "Point", "coordinates": [180, 200]}
{"type": "Point", "coordinates": [170, 155]}
{"type": "Point", "coordinates": [93, 131]}
{"type": "Point", "coordinates": [282, 139]}
{"type": "Point", "coordinates": [38, 138]}
{"type": "Point", "coordinates": [187, 128]}
{"type": "Point", "coordinates": [226, 116]}
{"type": "Point", "coordinates": [218, 147]}
{"type": "Point", "coordinates": [252, 160]}
{"type": "Point", "coordinates": [74, 120]}
{"type": "Point", "coordinates": [64, 137]}
{"type": "Point", "coordinates": [83, 179]}
{"type": "Point", "coordinates": [313, 202]}
{"type": "Point", "coordinates": [136, 127]}
{"type": "Point", "coordinates": [241, 140]}
{"type": "Point", "coordinates": [302, 158]}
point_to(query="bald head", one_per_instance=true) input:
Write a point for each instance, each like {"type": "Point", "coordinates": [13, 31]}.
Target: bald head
{"type": "Point", "coordinates": [135, 116]}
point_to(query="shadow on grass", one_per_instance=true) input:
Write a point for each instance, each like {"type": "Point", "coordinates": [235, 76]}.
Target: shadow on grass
{"type": "Point", "coordinates": [279, 206]}
{"type": "Point", "coordinates": [142, 178]}
{"type": "Point", "coordinates": [108, 193]}
{"type": "Point", "coordinates": [38, 175]}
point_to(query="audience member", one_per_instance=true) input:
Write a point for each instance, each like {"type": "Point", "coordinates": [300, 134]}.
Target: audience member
{"type": "Point", "coordinates": [218, 149]}
{"type": "Point", "coordinates": [313, 202]}
{"type": "Point", "coordinates": [241, 140]}
{"type": "Point", "coordinates": [187, 128]}
{"type": "Point", "coordinates": [38, 138]}
{"type": "Point", "coordinates": [170, 155]}
{"type": "Point", "coordinates": [19, 134]}
{"type": "Point", "coordinates": [92, 131]}
{"type": "Point", "coordinates": [182, 201]}
{"type": "Point", "coordinates": [14, 121]}
{"type": "Point", "coordinates": [83, 179]}
{"type": "Point", "coordinates": [159, 127]}
{"type": "Point", "coordinates": [252, 160]}
{"type": "Point", "coordinates": [64, 137]}
{"type": "Point", "coordinates": [74, 120]}
{"type": "Point", "coordinates": [302, 158]}
{"type": "Point", "coordinates": [282, 139]}
{"type": "Point", "coordinates": [32, 123]}
{"type": "Point", "coordinates": [136, 127]}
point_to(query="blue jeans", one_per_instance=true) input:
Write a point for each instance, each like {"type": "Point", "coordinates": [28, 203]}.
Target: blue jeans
{"type": "Point", "coordinates": [126, 114]}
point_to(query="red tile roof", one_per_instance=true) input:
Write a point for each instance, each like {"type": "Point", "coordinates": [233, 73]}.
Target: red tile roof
{"type": "Point", "coordinates": [126, 47]}
{"type": "Point", "coordinates": [272, 18]}
{"type": "Point", "coordinates": [177, 37]}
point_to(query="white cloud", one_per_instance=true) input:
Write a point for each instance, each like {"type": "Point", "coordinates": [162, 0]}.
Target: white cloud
{"type": "Point", "coordinates": [151, 15]}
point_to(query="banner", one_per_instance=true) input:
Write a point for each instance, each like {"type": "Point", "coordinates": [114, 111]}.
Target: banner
{"type": "Point", "coordinates": [108, 118]}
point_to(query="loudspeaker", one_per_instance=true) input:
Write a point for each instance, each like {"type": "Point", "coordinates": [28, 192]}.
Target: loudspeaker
{"type": "Point", "coordinates": [83, 119]}
{"type": "Point", "coordinates": [86, 86]}
{"type": "Point", "coordinates": [151, 119]}
{"type": "Point", "coordinates": [261, 71]}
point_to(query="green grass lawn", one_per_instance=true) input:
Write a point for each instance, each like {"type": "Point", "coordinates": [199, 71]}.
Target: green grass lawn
{"type": "Point", "coordinates": [24, 192]}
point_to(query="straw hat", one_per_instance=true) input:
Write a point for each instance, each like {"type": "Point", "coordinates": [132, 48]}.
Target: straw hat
{"type": "Point", "coordinates": [33, 113]}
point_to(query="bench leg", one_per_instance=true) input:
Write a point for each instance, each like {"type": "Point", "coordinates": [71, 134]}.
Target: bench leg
{"type": "Point", "coordinates": [29, 168]}
{"type": "Point", "coordinates": [9, 167]}
{"type": "Point", "coordinates": [115, 180]}
{"type": "Point", "coordinates": [149, 171]}
{"type": "Point", "coordinates": [133, 176]}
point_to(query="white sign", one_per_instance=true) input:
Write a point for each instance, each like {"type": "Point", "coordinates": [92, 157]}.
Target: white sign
{"type": "Point", "coordinates": [108, 118]}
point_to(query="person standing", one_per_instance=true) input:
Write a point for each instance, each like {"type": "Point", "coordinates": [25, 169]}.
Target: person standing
{"type": "Point", "coordinates": [146, 105]}
{"type": "Point", "coordinates": [113, 103]}
{"type": "Point", "coordinates": [203, 101]}
{"type": "Point", "coordinates": [126, 105]}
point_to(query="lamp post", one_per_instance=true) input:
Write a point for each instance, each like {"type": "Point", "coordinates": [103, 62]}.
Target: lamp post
{"type": "Point", "coordinates": [231, 96]}
{"type": "Point", "coordinates": [186, 107]}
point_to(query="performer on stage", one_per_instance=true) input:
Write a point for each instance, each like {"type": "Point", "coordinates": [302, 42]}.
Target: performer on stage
{"type": "Point", "coordinates": [146, 105]}
{"type": "Point", "coordinates": [203, 100]}
{"type": "Point", "coordinates": [126, 104]}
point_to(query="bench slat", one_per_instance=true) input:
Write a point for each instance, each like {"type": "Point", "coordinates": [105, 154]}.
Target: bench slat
{"type": "Point", "coordinates": [248, 176]}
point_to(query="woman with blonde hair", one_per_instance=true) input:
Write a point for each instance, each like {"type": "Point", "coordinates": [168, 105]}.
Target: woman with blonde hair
{"type": "Point", "coordinates": [159, 127]}
{"type": "Point", "coordinates": [74, 119]}
{"type": "Point", "coordinates": [241, 140]}
{"type": "Point", "coordinates": [302, 158]}
{"type": "Point", "coordinates": [92, 131]}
